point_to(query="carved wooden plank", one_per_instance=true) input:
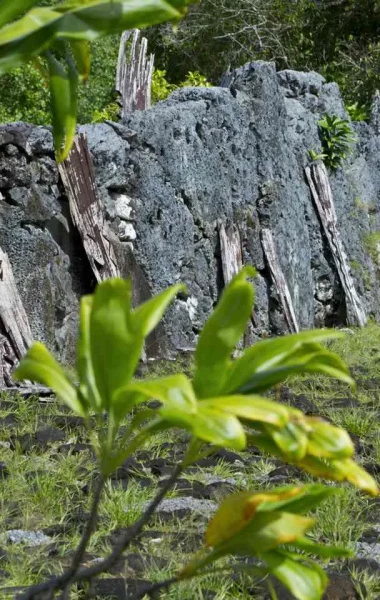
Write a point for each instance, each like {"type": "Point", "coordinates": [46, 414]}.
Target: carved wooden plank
{"type": "Point", "coordinates": [318, 181]}
{"type": "Point", "coordinates": [134, 73]}
{"type": "Point", "coordinates": [230, 247]}
{"type": "Point", "coordinates": [279, 279]}
{"type": "Point", "coordinates": [78, 178]}
{"type": "Point", "coordinates": [15, 334]}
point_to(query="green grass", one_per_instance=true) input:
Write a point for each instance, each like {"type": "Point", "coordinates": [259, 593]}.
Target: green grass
{"type": "Point", "coordinates": [45, 486]}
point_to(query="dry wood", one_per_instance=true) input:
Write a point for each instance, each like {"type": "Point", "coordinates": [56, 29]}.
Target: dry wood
{"type": "Point", "coordinates": [78, 178]}
{"type": "Point", "coordinates": [318, 181]}
{"type": "Point", "coordinates": [134, 73]}
{"type": "Point", "coordinates": [279, 279]}
{"type": "Point", "coordinates": [15, 334]}
{"type": "Point", "coordinates": [232, 258]}
{"type": "Point", "coordinates": [230, 247]}
{"type": "Point", "coordinates": [44, 394]}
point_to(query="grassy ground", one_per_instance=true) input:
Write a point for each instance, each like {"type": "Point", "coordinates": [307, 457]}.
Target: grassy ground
{"type": "Point", "coordinates": [48, 467]}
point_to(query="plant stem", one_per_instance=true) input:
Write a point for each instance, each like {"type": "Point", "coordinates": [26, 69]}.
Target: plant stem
{"type": "Point", "coordinates": [73, 574]}
{"type": "Point", "coordinates": [129, 536]}
{"type": "Point", "coordinates": [67, 577]}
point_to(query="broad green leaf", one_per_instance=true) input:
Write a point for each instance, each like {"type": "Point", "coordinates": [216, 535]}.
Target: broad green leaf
{"type": "Point", "coordinates": [307, 545]}
{"type": "Point", "coordinates": [82, 54]}
{"type": "Point", "coordinates": [175, 392]}
{"type": "Point", "coordinates": [221, 333]}
{"type": "Point", "coordinates": [63, 99]}
{"type": "Point", "coordinates": [40, 27]}
{"type": "Point", "coordinates": [291, 439]}
{"type": "Point", "coordinates": [218, 428]}
{"type": "Point", "coordinates": [147, 316]}
{"type": "Point", "coordinates": [326, 440]}
{"type": "Point", "coordinates": [298, 499]}
{"type": "Point", "coordinates": [269, 362]}
{"type": "Point", "coordinates": [340, 470]}
{"type": "Point", "coordinates": [123, 401]}
{"type": "Point", "coordinates": [238, 509]}
{"type": "Point", "coordinates": [265, 531]}
{"type": "Point", "coordinates": [305, 581]}
{"type": "Point", "coordinates": [115, 348]}
{"type": "Point", "coordinates": [11, 9]}
{"type": "Point", "coordinates": [252, 408]}
{"type": "Point", "coordinates": [39, 365]}
{"type": "Point", "coordinates": [85, 369]}
{"type": "Point", "coordinates": [268, 355]}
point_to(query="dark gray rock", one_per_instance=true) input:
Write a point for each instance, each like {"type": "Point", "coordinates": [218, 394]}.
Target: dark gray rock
{"type": "Point", "coordinates": [184, 507]}
{"type": "Point", "coordinates": [168, 176]}
{"type": "Point", "coordinates": [30, 538]}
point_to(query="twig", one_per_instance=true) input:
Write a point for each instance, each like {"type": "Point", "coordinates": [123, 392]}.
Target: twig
{"type": "Point", "coordinates": [67, 577]}
{"type": "Point", "coordinates": [151, 589]}
{"type": "Point", "coordinates": [129, 536]}
{"type": "Point", "coordinates": [73, 575]}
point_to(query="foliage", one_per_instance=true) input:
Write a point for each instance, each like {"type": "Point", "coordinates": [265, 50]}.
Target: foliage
{"type": "Point", "coordinates": [371, 243]}
{"type": "Point", "coordinates": [161, 88]}
{"type": "Point", "coordinates": [338, 39]}
{"type": "Point", "coordinates": [24, 94]}
{"type": "Point", "coordinates": [220, 407]}
{"type": "Point", "coordinates": [357, 112]}
{"type": "Point", "coordinates": [62, 34]}
{"type": "Point", "coordinates": [337, 137]}
{"type": "Point", "coordinates": [108, 113]}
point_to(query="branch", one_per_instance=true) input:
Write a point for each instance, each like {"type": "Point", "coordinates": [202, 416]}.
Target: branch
{"type": "Point", "coordinates": [129, 536]}
{"type": "Point", "coordinates": [65, 580]}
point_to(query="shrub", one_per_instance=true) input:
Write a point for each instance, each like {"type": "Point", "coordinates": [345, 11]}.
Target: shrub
{"type": "Point", "coordinates": [336, 137]}
{"type": "Point", "coordinates": [220, 406]}
{"type": "Point", "coordinates": [161, 88]}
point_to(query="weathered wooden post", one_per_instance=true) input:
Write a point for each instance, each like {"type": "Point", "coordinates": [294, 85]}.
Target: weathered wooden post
{"type": "Point", "coordinates": [87, 213]}
{"type": "Point", "coordinates": [318, 181]}
{"type": "Point", "coordinates": [134, 73]}
{"type": "Point", "coordinates": [279, 279]}
{"type": "Point", "coordinates": [15, 334]}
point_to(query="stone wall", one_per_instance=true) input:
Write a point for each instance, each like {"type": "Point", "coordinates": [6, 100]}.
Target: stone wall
{"type": "Point", "coordinates": [168, 177]}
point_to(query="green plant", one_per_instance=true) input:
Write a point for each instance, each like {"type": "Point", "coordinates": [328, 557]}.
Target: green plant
{"type": "Point", "coordinates": [357, 112]}
{"type": "Point", "coordinates": [371, 243]}
{"type": "Point", "coordinates": [195, 79]}
{"type": "Point", "coordinates": [337, 138]}
{"type": "Point", "coordinates": [220, 406]}
{"type": "Point", "coordinates": [108, 113]}
{"type": "Point", "coordinates": [61, 34]}
{"type": "Point", "coordinates": [161, 88]}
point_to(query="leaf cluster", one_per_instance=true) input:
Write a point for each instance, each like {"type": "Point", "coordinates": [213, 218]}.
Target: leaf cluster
{"type": "Point", "coordinates": [337, 139]}
{"type": "Point", "coordinates": [220, 406]}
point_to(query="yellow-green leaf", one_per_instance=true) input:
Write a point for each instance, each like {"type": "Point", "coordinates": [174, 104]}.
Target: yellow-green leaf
{"type": "Point", "coordinates": [39, 365]}
{"type": "Point", "coordinates": [252, 408]}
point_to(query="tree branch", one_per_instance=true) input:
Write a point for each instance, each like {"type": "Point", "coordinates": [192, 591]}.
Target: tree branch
{"type": "Point", "coordinates": [73, 574]}
{"type": "Point", "coordinates": [129, 536]}
{"type": "Point", "coordinates": [66, 579]}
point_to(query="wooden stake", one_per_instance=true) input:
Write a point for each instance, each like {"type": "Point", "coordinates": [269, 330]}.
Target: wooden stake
{"type": "Point", "coordinates": [318, 181]}
{"type": "Point", "coordinates": [134, 73]}
{"type": "Point", "coordinates": [279, 279]}
{"type": "Point", "coordinates": [230, 247]}
{"type": "Point", "coordinates": [78, 178]}
{"type": "Point", "coordinates": [15, 333]}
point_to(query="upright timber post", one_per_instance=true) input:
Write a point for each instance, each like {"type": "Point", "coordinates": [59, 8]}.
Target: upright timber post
{"type": "Point", "coordinates": [318, 181]}
{"type": "Point", "coordinates": [134, 73]}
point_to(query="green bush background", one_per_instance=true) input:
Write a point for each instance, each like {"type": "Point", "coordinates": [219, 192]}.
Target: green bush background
{"type": "Point", "coordinates": [339, 39]}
